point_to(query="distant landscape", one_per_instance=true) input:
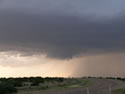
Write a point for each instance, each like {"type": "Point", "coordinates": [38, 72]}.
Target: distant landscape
{"type": "Point", "coordinates": [62, 46]}
{"type": "Point", "coordinates": [58, 85]}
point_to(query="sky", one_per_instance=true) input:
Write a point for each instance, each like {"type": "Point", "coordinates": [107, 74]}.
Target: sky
{"type": "Point", "coordinates": [62, 38]}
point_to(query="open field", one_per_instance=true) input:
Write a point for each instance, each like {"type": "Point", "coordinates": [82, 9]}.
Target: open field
{"type": "Point", "coordinates": [119, 91]}
{"type": "Point", "coordinates": [54, 86]}
{"type": "Point", "coordinates": [79, 86]}
{"type": "Point", "coordinates": [38, 85]}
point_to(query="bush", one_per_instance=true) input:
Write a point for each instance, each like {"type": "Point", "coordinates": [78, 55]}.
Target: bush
{"type": "Point", "coordinates": [15, 82]}
{"type": "Point", "coordinates": [35, 84]}
{"type": "Point", "coordinates": [6, 88]}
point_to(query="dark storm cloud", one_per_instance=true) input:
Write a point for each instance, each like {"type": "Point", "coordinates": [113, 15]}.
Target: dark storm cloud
{"type": "Point", "coordinates": [58, 34]}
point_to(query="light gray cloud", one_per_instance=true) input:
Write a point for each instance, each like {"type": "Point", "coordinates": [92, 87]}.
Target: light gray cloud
{"type": "Point", "coordinates": [79, 7]}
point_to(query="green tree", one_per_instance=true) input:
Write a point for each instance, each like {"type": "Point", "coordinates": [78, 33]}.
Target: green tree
{"type": "Point", "coordinates": [6, 88]}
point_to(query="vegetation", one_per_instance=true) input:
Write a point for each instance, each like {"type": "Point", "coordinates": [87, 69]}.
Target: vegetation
{"type": "Point", "coordinates": [13, 85]}
{"type": "Point", "coordinates": [31, 84]}
{"type": "Point", "coordinates": [7, 88]}
{"type": "Point", "coordinates": [119, 91]}
{"type": "Point", "coordinates": [117, 78]}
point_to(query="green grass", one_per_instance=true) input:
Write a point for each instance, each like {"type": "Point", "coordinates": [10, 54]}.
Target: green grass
{"type": "Point", "coordinates": [76, 83]}
{"type": "Point", "coordinates": [55, 86]}
{"type": "Point", "coordinates": [119, 91]}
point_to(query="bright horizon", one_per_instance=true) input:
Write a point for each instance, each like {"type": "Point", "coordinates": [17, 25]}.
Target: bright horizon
{"type": "Point", "coordinates": [40, 65]}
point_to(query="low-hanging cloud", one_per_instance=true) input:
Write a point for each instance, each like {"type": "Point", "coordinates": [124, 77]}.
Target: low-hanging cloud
{"type": "Point", "coordinates": [57, 33]}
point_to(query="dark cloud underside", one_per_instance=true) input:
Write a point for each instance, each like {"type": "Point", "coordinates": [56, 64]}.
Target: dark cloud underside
{"type": "Point", "coordinates": [60, 35]}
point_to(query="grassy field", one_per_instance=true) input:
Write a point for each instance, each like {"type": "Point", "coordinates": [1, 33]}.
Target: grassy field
{"type": "Point", "coordinates": [48, 85]}
{"type": "Point", "coordinates": [54, 86]}
{"type": "Point", "coordinates": [119, 91]}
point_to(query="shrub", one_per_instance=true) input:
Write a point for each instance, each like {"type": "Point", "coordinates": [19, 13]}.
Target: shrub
{"type": "Point", "coordinates": [6, 88]}
{"type": "Point", "coordinates": [35, 84]}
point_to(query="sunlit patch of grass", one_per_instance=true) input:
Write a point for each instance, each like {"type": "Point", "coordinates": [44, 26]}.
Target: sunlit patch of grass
{"type": "Point", "coordinates": [79, 83]}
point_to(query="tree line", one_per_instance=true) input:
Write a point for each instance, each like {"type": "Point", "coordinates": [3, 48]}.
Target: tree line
{"type": "Point", "coordinates": [9, 85]}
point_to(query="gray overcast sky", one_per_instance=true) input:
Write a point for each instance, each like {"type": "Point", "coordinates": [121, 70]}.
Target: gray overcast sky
{"type": "Point", "coordinates": [77, 7]}
{"type": "Point", "coordinates": [55, 27]}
